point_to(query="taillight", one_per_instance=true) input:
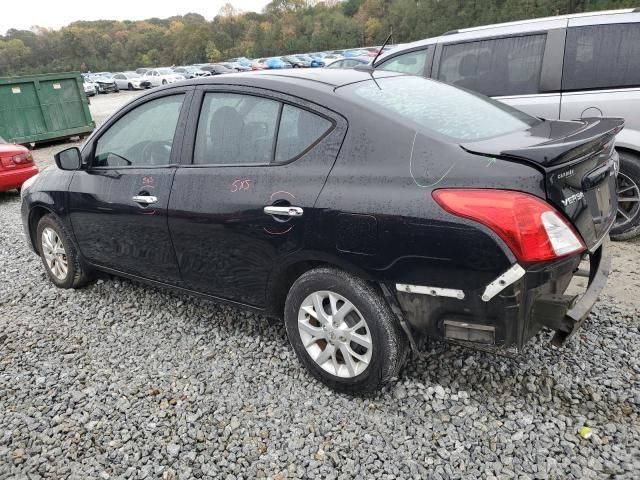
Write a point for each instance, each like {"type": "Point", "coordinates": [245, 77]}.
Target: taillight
{"type": "Point", "coordinates": [531, 228]}
{"type": "Point", "coordinates": [22, 158]}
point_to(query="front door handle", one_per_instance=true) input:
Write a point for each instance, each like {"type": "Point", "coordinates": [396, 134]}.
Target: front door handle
{"type": "Point", "coordinates": [145, 199]}
{"type": "Point", "coordinates": [289, 211]}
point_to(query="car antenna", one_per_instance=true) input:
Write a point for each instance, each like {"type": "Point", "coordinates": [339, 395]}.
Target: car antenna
{"type": "Point", "coordinates": [369, 67]}
{"type": "Point", "coordinates": [381, 49]}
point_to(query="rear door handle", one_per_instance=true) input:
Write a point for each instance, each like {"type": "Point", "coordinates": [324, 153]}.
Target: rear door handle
{"type": "Point", "coordinates": [145, 199]}
{"type": "Point", "coordinates": [283, 211]}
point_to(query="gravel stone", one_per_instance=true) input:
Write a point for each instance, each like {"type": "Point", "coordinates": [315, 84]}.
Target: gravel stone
{"type": "Point", "coordinates": [121, 380]}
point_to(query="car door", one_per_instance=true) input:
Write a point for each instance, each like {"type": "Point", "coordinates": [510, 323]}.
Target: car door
{"type": "Point", "coordinates": [602, 71]}
{"type": "Point", "coordinates": [519, 65]}
{"type": "Point", "coordinates": [154, 78]}
{"type": "Point", "coordinates": [118, 203]}
{"type": "Point", "coordinates": [244, 199]}
{"type": "Point", "coordinates": [121, 80]}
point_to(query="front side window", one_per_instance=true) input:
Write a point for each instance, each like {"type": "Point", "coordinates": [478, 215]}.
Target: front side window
{"type": "Point", "coordinates": [497, 67]}
{"type": "Point", "coordinates": [602, 56]}
{"type": "Point", "coordinates": [438, 107]}
{"type": "Point", "coordinates": [142, 137]}
{"type": "Point", "coordinates": [412, 63]}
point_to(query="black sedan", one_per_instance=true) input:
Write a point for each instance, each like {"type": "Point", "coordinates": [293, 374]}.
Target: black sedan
{"type": "Point", "coordinates": [364, 208]}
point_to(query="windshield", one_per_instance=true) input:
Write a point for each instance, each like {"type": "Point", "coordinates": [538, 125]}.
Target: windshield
{"type": "Point", "coordinates": [165, 71]}
{"type": "Point", "coordinates": [450, 111]}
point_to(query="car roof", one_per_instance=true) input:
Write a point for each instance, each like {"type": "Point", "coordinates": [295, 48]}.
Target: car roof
{"type": "Point", "coordinates": [480, 28]}
{"type": "Point", "coordinates": [309, 79]}
{"type": "Point", "coordinates": [545, 19]}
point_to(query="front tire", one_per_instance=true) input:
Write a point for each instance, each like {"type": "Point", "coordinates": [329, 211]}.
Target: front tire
{"type": "Point", "coordinates": [58, 254]}
{"type": "Point", "coordinates": [343, 331]}
{"type": "Point", "coordinates": [164, 82]}
{"type": "Point", "coordinates": [130, 86]}
{"type": "Point", "coordinates": [627, 223]}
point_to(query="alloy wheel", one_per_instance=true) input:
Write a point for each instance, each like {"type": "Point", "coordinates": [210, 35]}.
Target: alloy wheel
{"type": "Point", "coordinates": [54, 253]}
{"type": "Point", "coordinates": [335, 334]}
{"type": "Point", "coordinates": [628, 200]}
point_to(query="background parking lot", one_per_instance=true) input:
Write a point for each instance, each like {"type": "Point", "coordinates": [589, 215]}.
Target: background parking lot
{"type": "Point", "coordinates": [120, 380]}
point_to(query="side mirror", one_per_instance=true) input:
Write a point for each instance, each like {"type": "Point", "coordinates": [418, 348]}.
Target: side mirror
{"type": "Point", "coordinates": [69, 159]}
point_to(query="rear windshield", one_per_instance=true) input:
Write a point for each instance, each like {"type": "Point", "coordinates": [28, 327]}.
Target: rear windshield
{"type": "Point", "coordinates": [449, 111]}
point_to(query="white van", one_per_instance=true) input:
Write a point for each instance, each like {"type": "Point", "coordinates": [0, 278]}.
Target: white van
{"type": "Point", "coordinates": [567, 67]}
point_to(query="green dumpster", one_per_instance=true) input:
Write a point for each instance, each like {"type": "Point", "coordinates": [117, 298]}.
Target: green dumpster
{"type": "Point", "coordinates": [38, 108]}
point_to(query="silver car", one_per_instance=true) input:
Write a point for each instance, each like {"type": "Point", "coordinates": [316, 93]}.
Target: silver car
{"type": "Point", "coordinates": [130, 81]}
{"type": "Point", "coordinates": [567, 67]}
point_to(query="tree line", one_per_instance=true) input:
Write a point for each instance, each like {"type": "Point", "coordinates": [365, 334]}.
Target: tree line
{"type": "Point", "coordinates": [284, 26]}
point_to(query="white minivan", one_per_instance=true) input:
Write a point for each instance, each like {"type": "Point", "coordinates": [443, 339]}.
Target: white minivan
{"type": "Point", "coordinates": [567, 67]}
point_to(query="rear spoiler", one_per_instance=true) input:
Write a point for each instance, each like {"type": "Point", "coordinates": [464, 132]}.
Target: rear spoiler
{"type": "Point", "coordinates": [564, 142]}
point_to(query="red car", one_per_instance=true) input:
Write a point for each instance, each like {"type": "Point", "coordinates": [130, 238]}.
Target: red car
{"type": "Point", "coordinates": [16, 165]}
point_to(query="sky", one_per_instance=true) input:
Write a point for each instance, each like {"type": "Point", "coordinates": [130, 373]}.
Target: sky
{"type": "Point", "coordinates": [23, 14]}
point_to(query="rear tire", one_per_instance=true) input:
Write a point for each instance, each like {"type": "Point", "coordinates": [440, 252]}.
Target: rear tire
{"type": "Point", "coordinates": [355, 344]}
{"type": "Point", "coordinates": [58, 254]}
{"type": "Point", "coordinates": [628, 220]}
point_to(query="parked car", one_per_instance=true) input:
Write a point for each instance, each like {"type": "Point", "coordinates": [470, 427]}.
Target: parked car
{"type": "Point", "coordinates": [296, 61]}
{"type": "Point", "coordinates": [131, 81]}
{"type": "Point", "coordinates": [257, 65]}
{"type": "Point", "coordinates": [90, 88]}
{"type": "Point", "coordinates": [331, 56]}
{"type": "Point", "coordinates": [566, 67]}
{"type": "Point", "coordinates": [236, 66]}
{"type": "Point", "coordinates": [357, 52]}
{"type": "Point", "coordinates": [274, 62]}
{"type": "Point", "coordinates": [313, 62]}
{"type": "Point", "coordinates": [217, 69]}
{"type": "Point", "coordinates": [162, 76]}
{"type": "Point", "coordinates": [244, 61]}
{"type": "Point", "coordinates": [348, 62]}
{"type": "Point", "coordinates": [105, 84]}
{"type": "Point", "coordinates": [268, 200]}
{"type": "Point", "coordinates": [191, 71]}
{"type": "Point", "coordinates": [16, 165]}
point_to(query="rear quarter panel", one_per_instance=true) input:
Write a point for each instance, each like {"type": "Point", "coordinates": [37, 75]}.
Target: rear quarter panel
{"type": "Point", "coordinates": [383, 179]}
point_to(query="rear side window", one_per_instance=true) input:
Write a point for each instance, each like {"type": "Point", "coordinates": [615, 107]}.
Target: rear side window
{"type": "Point", "coordinates": [299, 129]}
{"type": "Point", "coordinates": [236, 129]}
{"type": "Point", "coordinates": [497, 67]}
{"type": "Point", "coordinates": [412, 63]}
{"type": "Point", "coordinates": [602, 56]}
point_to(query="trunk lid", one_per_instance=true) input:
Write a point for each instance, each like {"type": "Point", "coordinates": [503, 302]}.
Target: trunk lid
{"type": "Point", "coordinates": [579, 163]}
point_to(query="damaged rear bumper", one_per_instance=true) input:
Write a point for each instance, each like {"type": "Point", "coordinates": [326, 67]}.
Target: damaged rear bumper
{"type": "Point", "coordinates": [566, 313]}
{"type": "Point", "coordinates": [511, 309]}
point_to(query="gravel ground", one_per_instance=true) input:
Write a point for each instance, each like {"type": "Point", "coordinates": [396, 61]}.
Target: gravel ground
{"type": "Point", "coordinates": [120, 380]}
